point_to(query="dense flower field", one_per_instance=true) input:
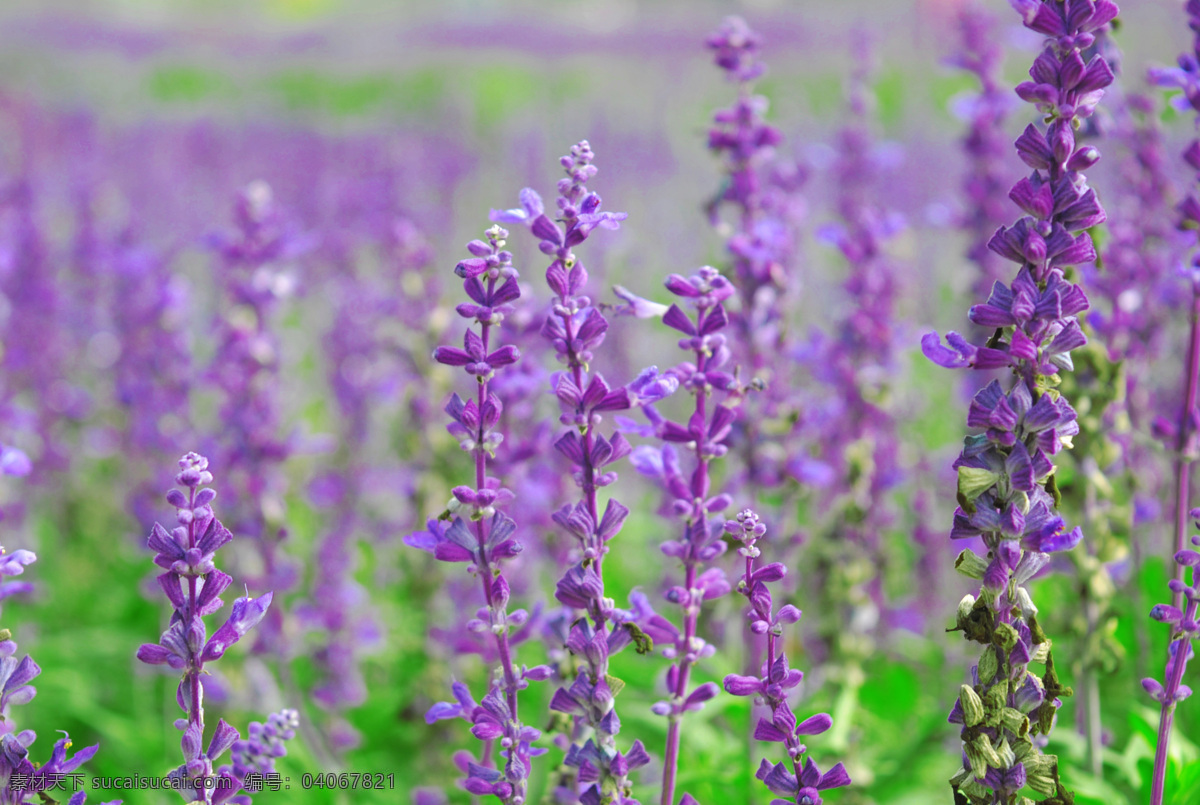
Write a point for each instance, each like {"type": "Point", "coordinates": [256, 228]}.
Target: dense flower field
{"type": "Point", "coordinates": [472, 422]}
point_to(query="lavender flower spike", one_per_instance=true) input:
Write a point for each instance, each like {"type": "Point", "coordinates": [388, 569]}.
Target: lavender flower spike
{"type": "Point", "coordinates": [1181, 614]}
{"type": "Point", "coordinates": [985, 144]}
{"type": "Point", "coordinates": [776, 679]}
{"type": "Point", "coordinates": [1006, 488]}
{"type": "Point", "coordinates": [1183, 630]}
{"type": "Point", "coordinates": [757, 211]}
{"type": "Point", "coordinates": [1187, 77]}
{"type": "Point", "coordinates": [704, 436]}
{"type": "Point", "coordinates": [254, 276]}
{"type": "Point", "coordinates": [481, 535]}
{"type": "Point", "coordinates": [254, 757]}
{"type": "Point", "coordinates": [193, 584]}
{"type": "Point", "coordinates": [20, 779]}
{"type": "Point", "coordinates": [576, 327]}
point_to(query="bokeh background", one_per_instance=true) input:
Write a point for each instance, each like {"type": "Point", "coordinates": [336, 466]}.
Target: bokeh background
{"type": "Point", "coordinates": [387, 131]}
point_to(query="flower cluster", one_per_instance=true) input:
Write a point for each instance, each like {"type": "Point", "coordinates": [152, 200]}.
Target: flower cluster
{"type": "Point", "coordinates": [985, 143]}
{"type": "Point", "coordinates": [693, 499]}
{"type": "Point", "coordinates": [1181, 613]}
{"type": "Point", "coordinates": [792, 365]}
{"type": "Point", "coordinates": [193, 585]}
{"type": "Point", "coordinates": [1006, 487]}
{"type": "Point", "coordinates": [852, 424]}
{"type": "Point", "coordinates": [760, 193]}
{"type": "Point", "coordinates": [579, 211]}
{"type": "Point", "coordinates": [1182, 434]}
{"type": "Point", "coordinates": [1184, 629]}
{"type": "Point", "coordinates": [1137, 280]}
{"type": "Point", "coordinates": [35, 356]}
{"type": "Point", "coordinates": [575, 327]}
{"type": "Point", "coordinates": [254, 276]}
{"type": "Point", "coordinates": [740, 134]}
{"type": "Point", "coordinates": [152, 365]}
{"type": "Point", "coordinates": [21, 780]}
{"type": "Point", "coordinates": [254, 757]}
{"type": "Point", "coordinates": [338, 611]}
{"type": "Point", "coordinates": [776, 679]}
{"type": "Point", "coordinates": [482, 535]}
{"type": "Point", "coordinates": [745, 143]}
{"type": "Point", "coordinates": [1185, 76]}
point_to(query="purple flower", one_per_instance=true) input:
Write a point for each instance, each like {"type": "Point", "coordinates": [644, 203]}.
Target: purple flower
{"type": "Point", "coordinates": [14, 461]}
{"type": "Point", "coordinates": [849, 427]}
{"type": "Point", "coordinates": [580, 214]}
{"type": "Point", "coordinates": [806, 786]}
{"type": "Point", "coordinates": [704, 436]}
{"type": "Point", "coordinates": [20, 779]}
{"type": "Point", "coordinates": [771, 688]}
{"type": "Point", "coordinates": [255, 276]}
{"type": "Point", "coordinates": [35, 359]}
{"type": "Point", "coordinates": [254, 757]}
{"type": "Point", "coordinates": [985, 143]}
{"type": "Point", "coordinates": [1182, 611]}
{"type": "Point", "coordinates": [1184, 628]}
{"type": "Point", "coordinates": [576, 328]}
{"type": "Point", "coordinates": [14, 564]}
{"type": "Point", "coordinates": [193, 585]}
{"type": "Point", "coordinates": [1006, 488]}
{"type": "Point", "coordinates": [479, 534]}
{"type": "Point", "coordinates": [152, 367]}
{"type": "Point", "coordinates": [735, 50]}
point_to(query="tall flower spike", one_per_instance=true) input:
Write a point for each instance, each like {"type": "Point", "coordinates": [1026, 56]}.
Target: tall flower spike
{"type": "Point", "coordinates": [152, 370]}
{"type": "Point", "coordinates": [35, 356]}
{"type": "Point", "coordinates": [770, 688]}
{"type": "Point", "coordinates": [985, 143]}
{"type": "Point", "coordinates": [1184, 432]}
{"type": "Point", "coordinates": [757, 211]}
{"type": "Point", "coordinates": [481, 535]}
{"type": "Point", "coordinates": [1181, 614]}
{"type": "Point", "coordinates": [576, 327]}
{"type": "Point", "coordinates": [1006, 487]}
{"type": "Point", "coordinates": [694, 501]}
{"type": "Point", "coordinates": [364, 371]}
{"type": "Point", "coordinates": [193, 584]}
{"type": "Point", "coordinates": [1172, 691]}
{"type": "Point", "coordinates": [1137, 280]}
{"type": "Point", "coordinates": [854, 426]}
{"type": "Point", "coordinates": [1135, 294]}
{"type": "Point", "coordinates": [254, 274]}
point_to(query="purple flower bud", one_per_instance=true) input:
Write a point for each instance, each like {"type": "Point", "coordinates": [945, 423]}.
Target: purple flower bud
{"type": "Point", "coordinates": [1165, 613]}
{"type": "Point", "coordinates": [1187, 558]}
{"type": "Point", "coordinates": [247, 612]}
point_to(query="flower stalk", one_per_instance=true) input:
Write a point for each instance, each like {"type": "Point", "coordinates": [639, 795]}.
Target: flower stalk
{"type": "Point", "coordinates": [1007, 492]}
{"type": "Point", "coordinates": [694, 500]}
{"type": "Point", "coordinates": [1184, 628]}
{"type": "Point", "coordinates": [480, 534]}
{"type": "Point", "coordinates": [575, 327]}
{"type": "Point", "coordinates": [776, 679]}
{"type": "Point", "coordinates": [193, 584]}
